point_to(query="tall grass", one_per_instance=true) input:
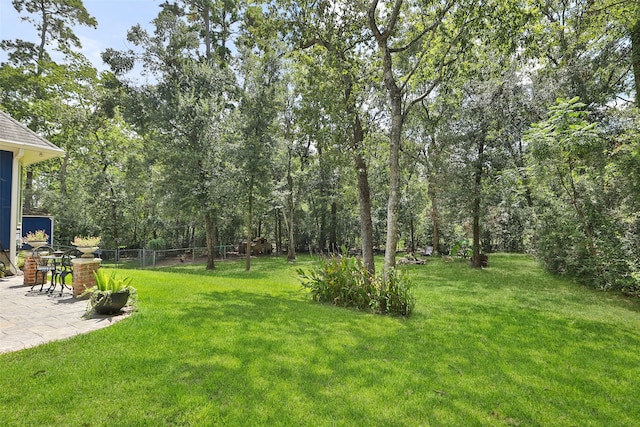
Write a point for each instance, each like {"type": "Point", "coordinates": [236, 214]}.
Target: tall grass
{"type": "Point", "coordinates": [344, 281]}
{"type": "Point", "coordinates": [509, 345]}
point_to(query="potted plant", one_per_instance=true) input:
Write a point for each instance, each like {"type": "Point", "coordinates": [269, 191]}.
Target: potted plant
{"type": "Point", "coordinates": [36, 239]}
{"type": "Point", "coordinates": [110, 294]}
{"type": "Point", "coordinates": [87, 245]}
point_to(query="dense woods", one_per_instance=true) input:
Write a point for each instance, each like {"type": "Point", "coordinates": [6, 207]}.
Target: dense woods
{"type": "Point", "coordinates": [371, 125]}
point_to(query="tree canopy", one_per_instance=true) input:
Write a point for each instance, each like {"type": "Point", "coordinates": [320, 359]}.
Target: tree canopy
{"type": "Point", "coordinates": [365, 125]}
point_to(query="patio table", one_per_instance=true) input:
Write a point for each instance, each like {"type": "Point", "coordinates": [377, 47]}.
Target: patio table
{"type": "Point", "coordinates": [51, 266]}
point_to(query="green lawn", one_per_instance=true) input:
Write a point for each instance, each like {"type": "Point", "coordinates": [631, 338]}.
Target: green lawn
{"type": "Point", "coordinates": [506, 346]}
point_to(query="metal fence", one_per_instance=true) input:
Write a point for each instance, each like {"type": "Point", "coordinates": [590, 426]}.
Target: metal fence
{"type": "Point", "coordinates": [151, 258]}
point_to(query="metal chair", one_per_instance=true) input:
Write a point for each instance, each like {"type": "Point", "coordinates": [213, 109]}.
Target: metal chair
{"type": "Point", "coordinates": [64, 269]}
{"type": "Point", "coordinates": [42, 265]}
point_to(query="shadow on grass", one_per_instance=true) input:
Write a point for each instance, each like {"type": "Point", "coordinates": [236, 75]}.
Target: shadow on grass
{"type": "Point", "coordinates": [273, 359]}
{"type": "Point", "coordinates": [475, 353]}
{"type": "Point", "coordinates": [261, 268]}
{"type": "Point", "coordinates": [281, 359]}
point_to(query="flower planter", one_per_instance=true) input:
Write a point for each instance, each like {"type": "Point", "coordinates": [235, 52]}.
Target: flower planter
{"type": "Point", "coordinates": [109, 303]}
{"type": "Point", "coordinates": [87, 251]}
{"type": "Point", "coordinates": [35, 244]}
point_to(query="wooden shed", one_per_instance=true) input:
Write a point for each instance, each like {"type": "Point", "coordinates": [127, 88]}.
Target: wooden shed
{"type": "Point", "coordinates": [259, 246]}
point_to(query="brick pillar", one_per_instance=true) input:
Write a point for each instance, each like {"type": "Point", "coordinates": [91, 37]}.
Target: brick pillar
{"type": "Point", "coordinates": [83, 269]}
{"type": "Point", "coordinates": [29, 269]}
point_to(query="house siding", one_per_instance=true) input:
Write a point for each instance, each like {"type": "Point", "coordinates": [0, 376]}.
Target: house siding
{"type": "Point", "coordinates": [6, 175]}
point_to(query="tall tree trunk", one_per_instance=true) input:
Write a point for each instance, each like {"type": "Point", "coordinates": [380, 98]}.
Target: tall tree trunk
{"type": "Point", "coordinates": [435, 214]}
{"type": "Point", "coordinates": [322, 235]}
{"type": "Point", "coordinates": [277, 230]}
{"type": "Point", "coordinates": [333, 230]}
{"type": "Point", "coordinates": [291, 248]}
{"type": "Point", "coordinates": [44, 28]}
{"type": "Point", "coordinates": [394, 175]}
{"type": "Point", "coordinates": [35, 122]}
{"type": "Point", "coordinates": [397, 120]}
{"type": "Point", "coordinates": [249, 221]}
{"type": "Point", "coordinates": [210, 231]}
{"type": "Point", "coordinates": [366, 224]}
{"type": "Point", "coordinates": [364, 193]}
{"type": "Point", "coordinates": [63, 175]}
{"type": "Point", "coordinates": [475, 260]}
{"type": "Point", "coordinates": [206, 12]}
{"type": "Point", "coordinates": [396, 88]}
{"type": "Point", "coordinates": [114, 214]}
{"type": "Point", "coordinates": [635, 58]}
{"type": "Point", "coordinates": [176, 237]}
{"type": "Point", "coordinates": [364, 197]}
{"type": "Point", "coordinates": [28, 192]}
{"type": "Point", "coordinates": [412, 233]}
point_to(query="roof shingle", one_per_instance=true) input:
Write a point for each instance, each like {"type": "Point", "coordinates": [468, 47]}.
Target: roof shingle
{"type": "Point", "coordinates": [14, 135]}
{"type": "Point", "coordinates": [12, 130]}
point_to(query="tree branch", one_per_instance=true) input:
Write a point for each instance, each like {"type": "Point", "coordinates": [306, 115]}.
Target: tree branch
{"type": "Point", "coordinates": [393, 19]}
{"type": "Point", "coordinates": [437, 22]}
{"type": "Point", "coordinates": [372, 20]}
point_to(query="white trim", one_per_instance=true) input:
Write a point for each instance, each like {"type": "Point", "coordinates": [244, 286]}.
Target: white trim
{"type": "Point", "coordinates": [31, 154]}
{"type": "Point", "coordinates": [15, 200]}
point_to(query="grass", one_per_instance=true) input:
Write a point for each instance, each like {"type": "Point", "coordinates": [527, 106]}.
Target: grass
{"type": "Point", "coordinates": [506, 346]}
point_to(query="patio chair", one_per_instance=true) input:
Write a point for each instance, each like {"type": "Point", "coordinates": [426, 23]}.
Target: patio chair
{"type": "Point", "coordinates": [63, 269]}
{"type": "Point", "coordinates": [43, 267]}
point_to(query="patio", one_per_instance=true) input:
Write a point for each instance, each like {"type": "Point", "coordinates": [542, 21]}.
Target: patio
{"type": "Point", "coordinates": [28, 319]}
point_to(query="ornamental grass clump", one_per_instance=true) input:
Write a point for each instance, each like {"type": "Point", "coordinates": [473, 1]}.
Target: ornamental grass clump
{"type": "Point", "coordinates": [105, 289]}
{"type": "Point", "coordinates": [345, 282]}
{"type": "Point", "coordinates": [394, 294]}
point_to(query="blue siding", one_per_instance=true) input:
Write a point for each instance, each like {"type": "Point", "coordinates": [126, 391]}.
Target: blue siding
{"type": "Point", "coordinates": [32, 223]}
{"type": "Point", "coordinates": [6, 174]}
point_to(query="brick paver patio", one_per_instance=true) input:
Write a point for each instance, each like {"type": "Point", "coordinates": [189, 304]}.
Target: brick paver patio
{"type": "Point", "coordinates": [28, 319]}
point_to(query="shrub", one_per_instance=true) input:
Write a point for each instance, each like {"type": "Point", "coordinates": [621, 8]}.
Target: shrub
{"type": "Point", "coordinates": [344, 281]}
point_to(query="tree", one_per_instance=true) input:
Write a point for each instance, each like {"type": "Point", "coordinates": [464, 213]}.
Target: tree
{"type": "Point", "coordinates": [426, 129]}
{"type": "Point", "coordinates": [53, 20]}
{"type": "Point", "coordinates": [259, 110]}
{"type": "Point", "coordinates": [582, 50]}
{"type": "Point", "coordinates": [187, 108]}
{"type": "Point", "coordinates": [409, 43]}
{"type": "Point", "coordinates": [66, 102]}
{"type": "Point", "coordinates": [560, 145]}
{"type": "Point", "coordinates": [624, 25]}
{"type": "Point", "coordinates": [38, 77]}
{"type": "Point", "coordinates": [331, 37]}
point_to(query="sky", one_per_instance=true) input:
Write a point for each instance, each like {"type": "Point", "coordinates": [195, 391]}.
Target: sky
{"type": "Point", "coordinates": [114, 17]}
